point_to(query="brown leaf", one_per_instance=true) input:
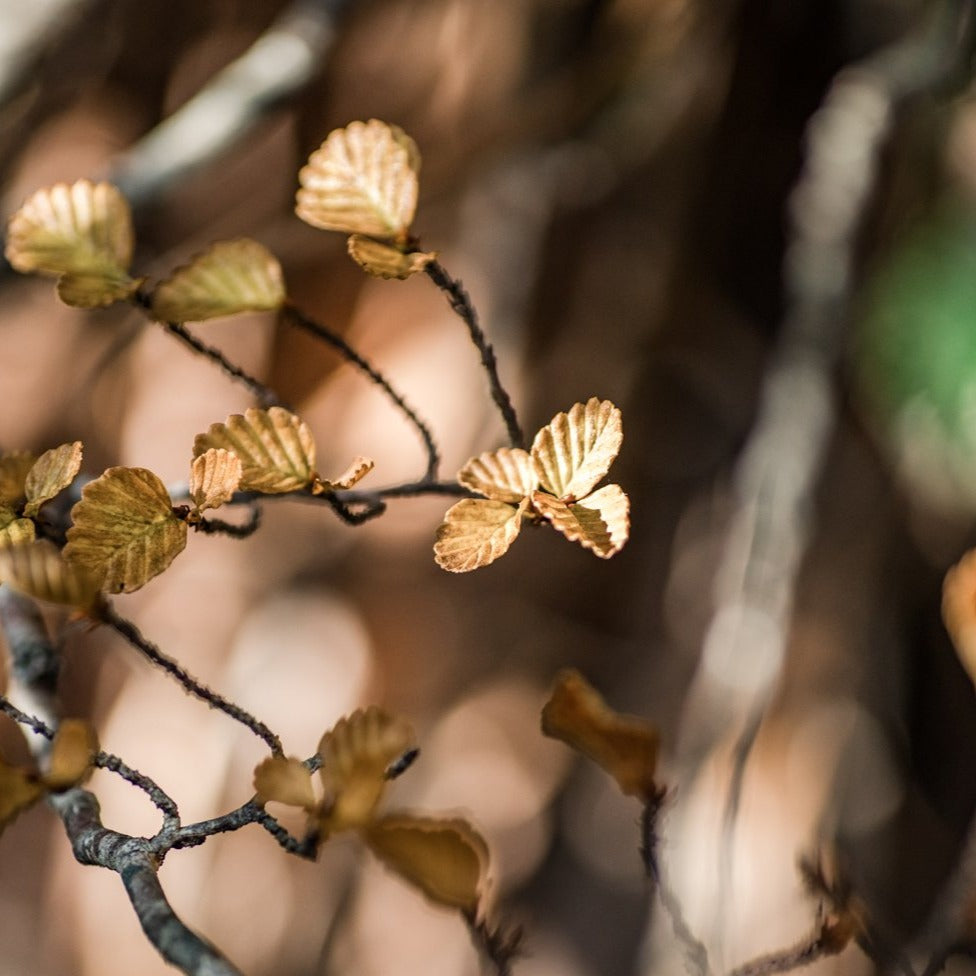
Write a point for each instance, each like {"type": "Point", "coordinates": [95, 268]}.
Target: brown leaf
{"type": "Point", "coordinates": [19, 789]}
{"type": "Point", "coordinates": [385, 261]}
{"type": "Point", "coordinates": [38, 569]}
{"type": "Point", "coordinates": [72, 754]}
{"type": "Point", "coordinates": [600, 522]}
{"type": "Point", "coordinates": [959, 610]}
{"type": "Point", "coordinates": [53, 471]}
{"type": "Point", "coordinates": [625, 746]}
{"type": "Point", "coordinates": [575, 450]}
{"type": "Point", "coordinates": [358, 468]}
{"type": "Point", "coordinates": [475, 532]}
{"type": "Point", "coordinates": [14, 467]}
{"type": "Point", "coordinates": [445, 859]}
{"type": "Point", "coordinates": [284, 780]}
{"type": "Point", "coordinates": [214, 477]}
{"type": "Point", "coordinates": [14, 530]}
{"type": "Point", "coordinates": [506, 475]}
{"type": "Point", "coordinates": [124, 531]}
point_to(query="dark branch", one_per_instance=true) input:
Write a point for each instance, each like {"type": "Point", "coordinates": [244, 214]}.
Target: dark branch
{"type": "Point", "coordinates": [214, 526]}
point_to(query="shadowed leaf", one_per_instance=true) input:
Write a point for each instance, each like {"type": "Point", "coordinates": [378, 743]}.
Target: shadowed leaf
{"type": "Point", "coordinates": [14, 468]}
{"type": "Point", "coordinates": [385, 261]}
{"type": "Point", "coordinates": [19, 789]}
{"type": "Point", "coordinates": [361, 180]}
{"type": "Point", "coordinates": [506, 475]}
{"type": "Point", "coordinates": [14, 530]}
{"type": "Point", "coordinates": [214, 477]}
{"type": "Point", "coordinates": [475, 532]}
{"type": "Point", "coordinates": [229, 277]}
{"type": "Point", "coordinates": [38, 569]}
{"type": "Point", "coordinates": [53, 471]}
{"type": "Point", "coordinates": [575, 450]}
{"type": "Point", "coordinates": [600, 522]}
{"type": "Point", "coordinates": [284, 780]}
{"type": "Point", "coordinates": [276, 449]}
{"type": "Point", "coordinates": [445, 859]}
{"type": "Point", "coordinates": [72, 753]}
{"type": "Point", "coordinates": [124, 531]}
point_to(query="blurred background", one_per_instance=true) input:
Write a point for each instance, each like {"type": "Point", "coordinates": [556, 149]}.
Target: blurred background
{"type": "Point", "coordinates": [609, 178]}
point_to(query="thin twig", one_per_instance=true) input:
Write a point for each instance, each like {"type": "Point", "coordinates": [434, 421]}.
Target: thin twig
{"type": "Point", "coordinates": [459, 300]}
{"type": "Point", "coordinates": [32, 722]}
{"type": "Point", "coordinates": [159, 797]}
{"type": "Point", "coordinates": [128, 630]}
{"type": "Point", "coordinates": [298, 318]}
{"type": "Point", "coordinates": [215, 526]}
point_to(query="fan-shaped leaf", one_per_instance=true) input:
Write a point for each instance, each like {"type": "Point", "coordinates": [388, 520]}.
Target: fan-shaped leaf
{"type": "Point", "coordinates": [14, 530]}
{"type": "Point", "coordinates": [385, 261]}
{"type": "Point", "coordinates": [229, 277]}
{"type": "Point", "coordinates": [83, 232]}
{"type": "Point", "coordinates": [445, 859]}
{"type": "Point", "coordinates": [72, 753]}
{"type": "Point", "coordinates": [475, 532]}
{"type": "Point", "coordinates": [53, 471]}
{"type": "Point", "coordinates": [361, 180]}
{"type": "Point", "coordinates": [506, 475]}
{"type": "Point", "coordinates": [19, 789]}
{"type": "Point", "coordinates": [356, 754]}
{"type": "Point", "coordinates": [14, 467]}
{"type": "Point", "coordinates": [625, 746]}
{"type": "Point", "coordinates": [284, 780]}
{"type": "Point", "coordinates": [575, 450]}
{"type": "Point", "coordinates": [599, 522]}
{"type": "Point", "coordinates": [38, 569]}
{"type": "Point", "coordinates": [124, 531]}
{"type": "Point", "coordinates": [214, 477]}
{"type": "Point", "coordinates": [276, 449]}
{"type": "Point", "coordinates": [357, 470]}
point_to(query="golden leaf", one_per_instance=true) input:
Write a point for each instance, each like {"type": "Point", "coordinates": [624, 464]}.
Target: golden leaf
{"type": "Point", "coordinates": [475, 532]}
{"type": "Point", "coordinates": [361, 180]}
{"type": "Point", "coordinates": [124, 531]}
{"type": "Point", "coordinates": [19, 789]}
{"type": "Point", "coordinates": [38, 569]}
{"type": "Point", "coordinates": [51, 473]}
{"type": "Point", "coordinates": [506, 475]}
{"type": "Point", "coordinates": [358, 468]}
{"type": "Point", "coordinates": [575, 450]}
{"type": "Point", "coordinates": [72, 753]}
{"type": "Point", "coordinates": [276, 449]}
{"type": "Point", "coordinates": [229, 277]}
{"type": "Point", "coordinates": [214, 477]}
{"type": "Point", "coordinates": [81, 233]}
{"type": "Point", "coordinates": [625, 746]}
{"type": "Point", "coordinates": [445, 859]}
{"type": "Point", "coordinates": [14, 530]}
{"type": "Point", "coordinates": [385, 261]}
{"type": "Point", "coordinates": [600, 522]}
{"type": "Point", "coordinates": [284, 781]}
{"type": "Point", "coordinates": [959, 610]}
{"type": "Point", "coordinates": [14, 467]}
{"type": "Point", "coordinates": [356, 754]}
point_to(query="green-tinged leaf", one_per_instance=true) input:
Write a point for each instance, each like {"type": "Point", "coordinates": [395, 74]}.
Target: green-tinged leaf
{"type": "Point", "coordinates": [14, 530]}
{"type": "Point", "coordinates": [445, 859]}
{"type": "Point", "coordinates": [38, 569]}
{"type": "Point", "coordinates": [475, 532]}
{"type": "Point", "coordinates": [625, 746]}
{"type": "Point", "coordinates": [19, 789]}
{"type": "Point", "coordinates": [14, 467]}
{"type": "Point", "coordinates": [72, 753]}
{"type": "Point", "coordinates": [96, 290]}
{"type": "Point", "coordinates": [385, 261]}
{"type": "Point", "coordinates": [361, 180]}
{"type": "Point", "coordinates": [230, 277]}
{"type": "Point", "coordinates": [124, 531]}
{"type": "Point", "coordinates": [506, 475]}
{"type": "Point", "coordinates": [358, 468]}
{"type": "Point", "coordinates": [276, 449]}
{"type": "Point", "coordinates": [575, 450]}
{"type": "Point", "coordinates": [53, 471]}
{"type": "Point", "coordinates": [284, 780]}
{"type": "Point", "coordinates": [600, 522]}
{"type": "Point", "coordinates": [356, 754]}
{"type": "Point", "coordinates": [214, 477]}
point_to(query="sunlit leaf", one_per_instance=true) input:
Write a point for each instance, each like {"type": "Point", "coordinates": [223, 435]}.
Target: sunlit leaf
{"type": "Point", "coordinates": [53, 471]}
{"type": "Point", "coordinates": [575, 450]}
{"type": "Point", "coordinates": [19, 789]}
{"type": "Point", "coordinates": [356, 754]}
{"type": "Point", "coordinates": [72, 753]}
{"type": "Point", "coordinates": [959, 610]}
{"type": "Point", "coordinates": [14, 530]}
{"type": "Point", "coordinates": [445, 859]}
{"type": "Point", "coordinates": [475, 532]}
{"type": "Point", "coordinates": [230, 277]}
{"type": "Point", "coordinates": [357, 470]}
{"type": "Point", "coordinates": [599, 522]}
{"type": "Point", "coordinates": [124, 531]}
{"type": "Point", "coordinates": [276, 449]}
{"type": "Point", "coordinates": [284, 780]}
{"type": "Point", "coordinates": [506, 475]}
{"type": "Point", "coordinates": [214, 477]}
{"type": "Point", "coordinates": [361, 180]}
{"type": "Point", "coordinates": [81, 233]}
{"type": "Point", "coordinates": [385, 261]}
{"type": "Point", "coordinates": [14, 467]}
{"type": "Point", "coordinates": [625, 746]}
{"type": "Point", "coordinates": [39, 570]}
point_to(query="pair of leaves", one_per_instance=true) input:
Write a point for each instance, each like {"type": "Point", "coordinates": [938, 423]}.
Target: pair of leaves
{"type": "Point", "coordinates": [26, 483]}
{"type": "Point", "coordinates": [445, 858]}
{"type": "Point", "coordinates": [363, 181]}
{"type": "Point", "coordinates": [82, 234]}
{"type": "Point", "coordinates": [69, 763]}
{"type": "Point", "coordinates": [552, 481]}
